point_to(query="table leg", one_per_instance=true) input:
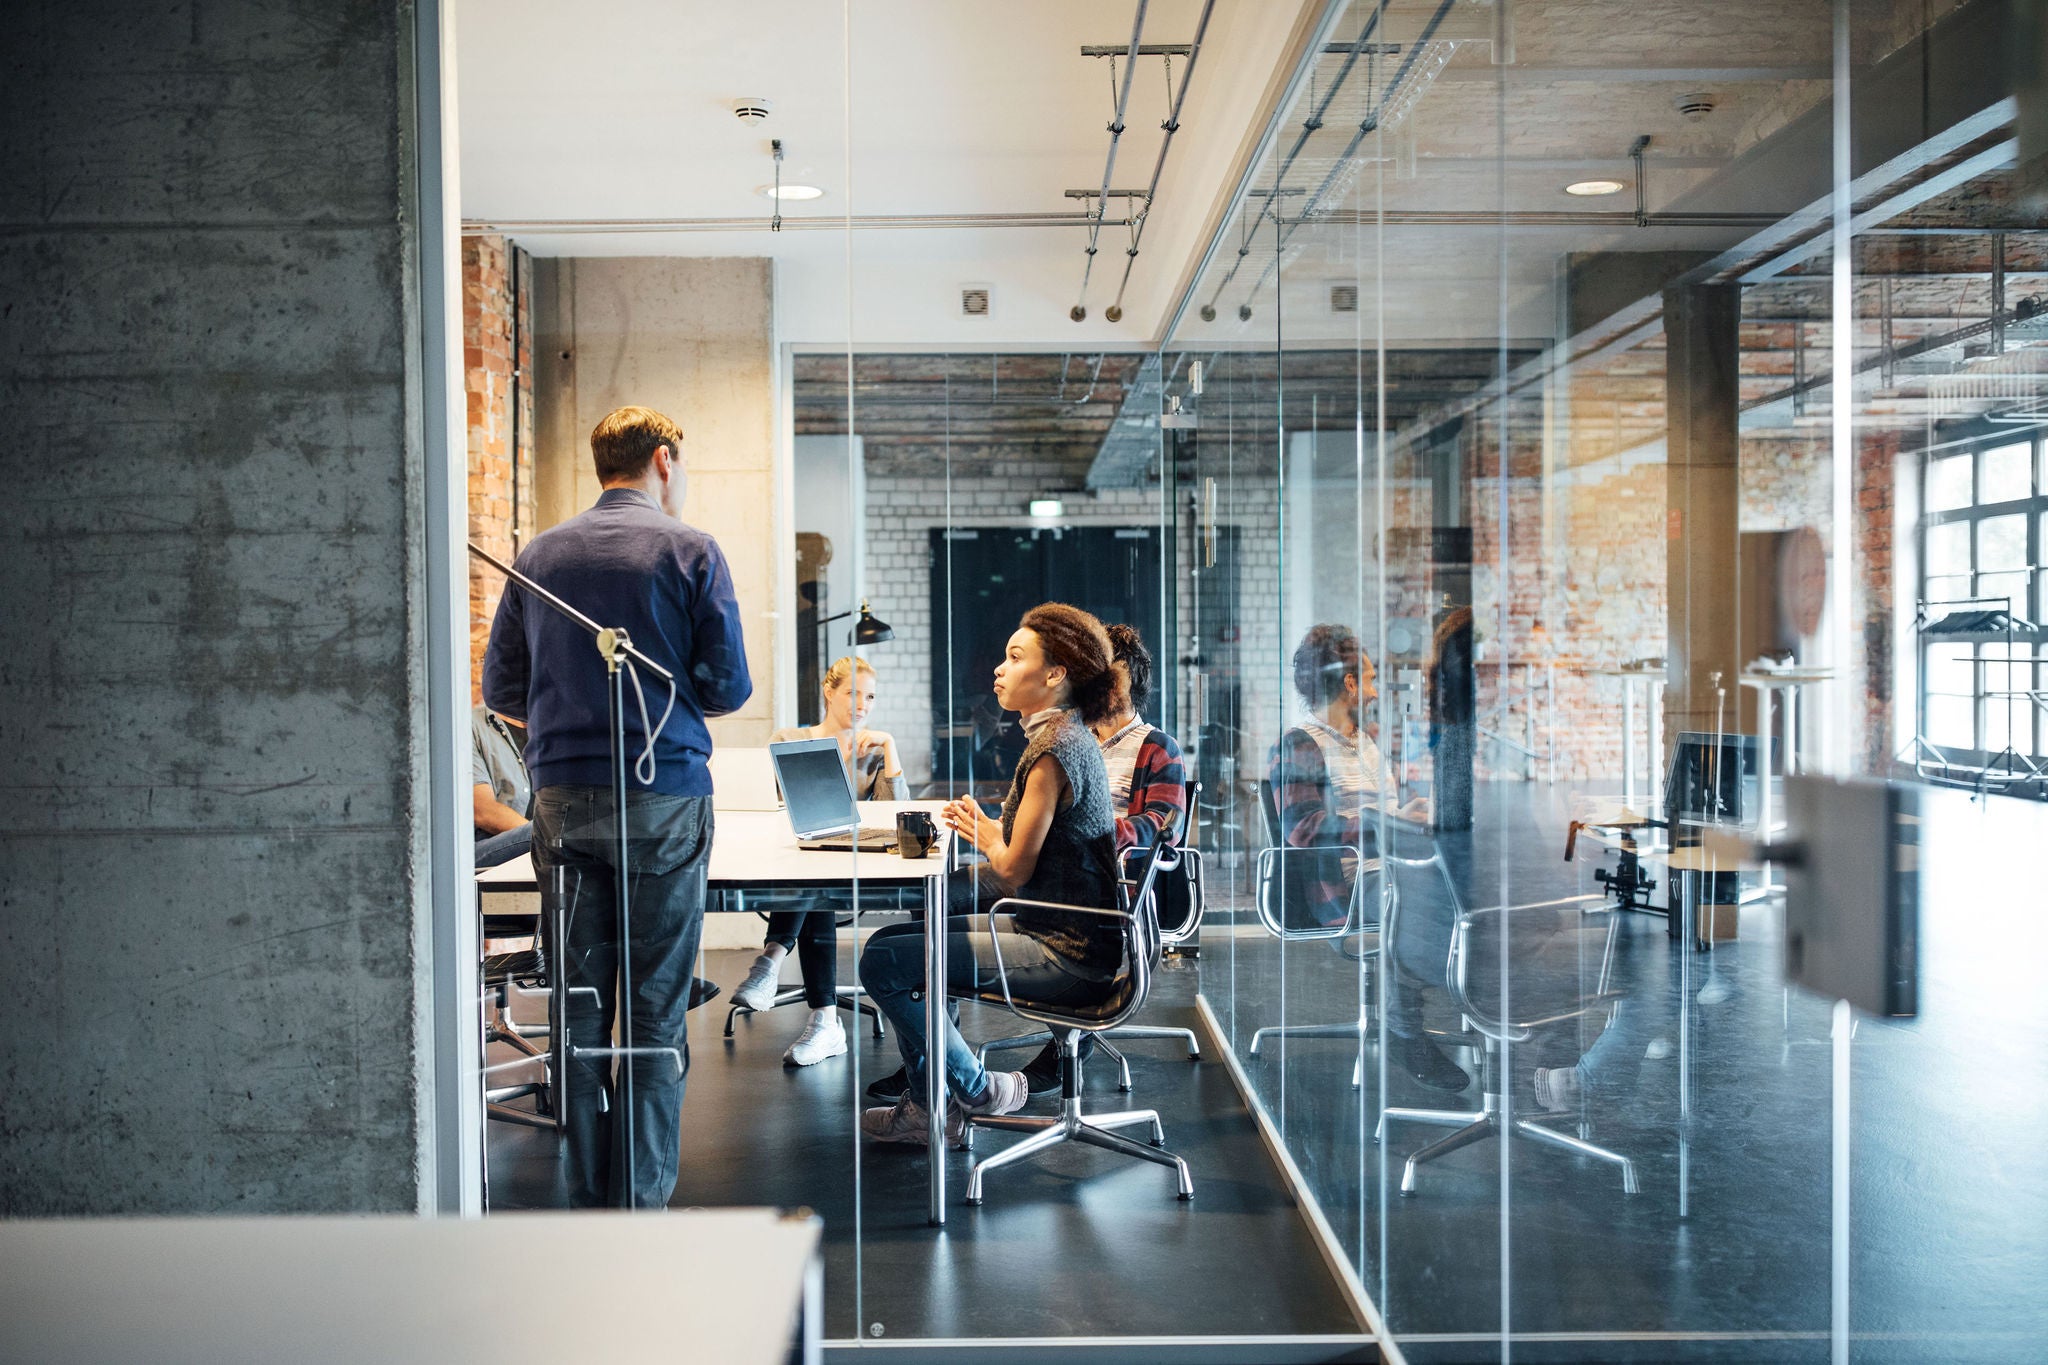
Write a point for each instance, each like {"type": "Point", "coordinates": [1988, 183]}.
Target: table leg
{"type": "Point", "coordinates": [1764, 807]}
{"type": "Point", "coordinates": [1688, 888]}
{"type": "Point", "coordinates": [1653, 753]}
{"type": "Point", "coordinates": [934, 1034]}
{"type": "Point", "coordinates": [1628, 742]}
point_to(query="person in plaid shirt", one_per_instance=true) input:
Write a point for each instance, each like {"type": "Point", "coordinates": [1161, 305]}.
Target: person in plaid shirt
{"type": "Point", "coordinates": [1325, 776]}
{"type": "Point", "coordinates": [1147, 779]}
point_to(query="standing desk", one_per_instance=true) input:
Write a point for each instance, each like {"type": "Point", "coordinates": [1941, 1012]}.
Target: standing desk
{"type": "Point", "coordinates": [754, 850]}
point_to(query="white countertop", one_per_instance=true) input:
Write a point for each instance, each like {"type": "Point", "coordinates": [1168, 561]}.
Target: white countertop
{"type": "Point", "coordinates": [721, 1285]}
{"type": "Point", "coordinates": [755, 848]}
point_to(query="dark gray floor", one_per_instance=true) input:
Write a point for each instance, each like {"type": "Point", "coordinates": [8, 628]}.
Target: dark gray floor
{"type": "Point", "coordinates": [1949, 1198]}
{"type": "Point", "coordinates": [1080, 1243]}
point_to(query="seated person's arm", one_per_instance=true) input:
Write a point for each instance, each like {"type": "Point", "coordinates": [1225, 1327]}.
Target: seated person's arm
{"type": "Point", "coordinates": [1158, 798]}
{"type": "Point", "coordinates": [1015, 859]}
{"type": "Point", "coordinates": [1302, 797]}
{"type": "Point", "coordinates": [492, 815]}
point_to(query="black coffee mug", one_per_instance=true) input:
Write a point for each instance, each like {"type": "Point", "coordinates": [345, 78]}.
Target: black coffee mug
{"type": "Point", "coordinates": [915, 833]}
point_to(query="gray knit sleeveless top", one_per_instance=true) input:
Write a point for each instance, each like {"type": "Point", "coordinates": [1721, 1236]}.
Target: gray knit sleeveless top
{"type": "Point", "coordinates": [1078, 863]}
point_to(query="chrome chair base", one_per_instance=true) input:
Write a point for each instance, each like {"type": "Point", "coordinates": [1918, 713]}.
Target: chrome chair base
{"type": "Point", "coordinates": [1094, 1130]}
{"type": "Point", "coordinates": [849, 998]}
{"type": "Point", "coordinates": [1362, 1031]}
{"type": "Point", "coordinates": [1487, 1123]}
{"type": "Point", "coordinates": [502, 1028]}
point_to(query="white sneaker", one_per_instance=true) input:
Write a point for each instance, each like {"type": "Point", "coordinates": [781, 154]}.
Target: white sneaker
{"type": "Point", "coordinates": [1557, 1088]}
{"type": "Point", "coordinates": [822, 1037]}
{"type": "Point", "coordinates": [757, 992]}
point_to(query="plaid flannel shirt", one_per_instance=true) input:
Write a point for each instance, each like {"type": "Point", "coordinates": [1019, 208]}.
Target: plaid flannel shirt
{"type": "Point", "coordinates": [1159, 795]}
{"type": "Point", "coordinates": [1315, 814]}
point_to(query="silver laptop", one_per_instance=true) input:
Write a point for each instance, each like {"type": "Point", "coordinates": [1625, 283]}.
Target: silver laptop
{"type": "Point", "coordinates": [819, 798]}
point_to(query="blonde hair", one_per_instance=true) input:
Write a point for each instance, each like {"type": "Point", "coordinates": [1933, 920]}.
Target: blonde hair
{"type": "Point", "coordinates": [841, 672]}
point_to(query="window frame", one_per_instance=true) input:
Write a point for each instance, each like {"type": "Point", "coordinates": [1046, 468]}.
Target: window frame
{"type": "Point", "coordinates": [2028, 723]}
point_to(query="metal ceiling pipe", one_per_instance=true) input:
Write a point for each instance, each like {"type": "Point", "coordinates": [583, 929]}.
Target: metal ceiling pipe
{"type": "Point", "coordinates": [1116, 133]}
{"type": "Point", "coordinates": [1352, 52]}
{"type": "Point", "coordinates": [1115, 312]}
{"type": "Point", "coordinates": [1366, 127]}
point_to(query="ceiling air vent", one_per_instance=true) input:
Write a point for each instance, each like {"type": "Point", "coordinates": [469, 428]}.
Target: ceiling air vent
{"type": "Point", "coordinates": [1694, 104]}
{"type": "Point", "coordinates": [1343, 298]}
{"type": "Point", "coordinates": [974, 301]}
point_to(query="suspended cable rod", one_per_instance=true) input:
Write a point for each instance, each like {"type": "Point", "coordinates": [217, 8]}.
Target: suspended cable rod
{"type": "Point", "coordinates": [1116, 133]}
{"type": "Point", "coordinates": [1366, 128]}
{"type": "Point", "coordinates": [884, 222]}
{"type": "Point", "coordinates": [1115, 311]}
{"type": "Point", "coordinates": [1143, 50]}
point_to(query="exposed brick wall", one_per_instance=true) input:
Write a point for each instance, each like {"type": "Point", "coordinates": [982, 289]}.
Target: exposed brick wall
{"type": "Point", "coordinates": [1883, 729]}
{"type": "Point", "coordinates": [500, 394]}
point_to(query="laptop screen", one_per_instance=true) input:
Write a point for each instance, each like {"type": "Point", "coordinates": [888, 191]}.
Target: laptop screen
{"type": "Point", "coordinates": [1713, 779]}
{"type": "Point", "coordinates": [814, 787]}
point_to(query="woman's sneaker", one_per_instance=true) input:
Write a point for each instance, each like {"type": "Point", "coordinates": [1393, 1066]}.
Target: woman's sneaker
{"type": "Point", "coordinates": [822, 1037]}
{"type": "Point", "coordinates": [1007, 1091]}
{"type": "Point", "coordinates": [1557, 1088]}
{"type": "Point", "coordinates": [757, 992]}
{"type": "Point", "coordinates": [905, 1122]}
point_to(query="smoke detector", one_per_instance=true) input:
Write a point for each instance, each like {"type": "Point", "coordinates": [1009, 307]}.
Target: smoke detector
{"type": "Point", "coordinates": [1695, 105]}
{"type": "Point", "coordinates": [752, 109]}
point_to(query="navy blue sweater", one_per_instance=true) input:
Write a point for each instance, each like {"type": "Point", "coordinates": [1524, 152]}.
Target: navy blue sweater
{"type": "Point", "coordinates": [624, 563]}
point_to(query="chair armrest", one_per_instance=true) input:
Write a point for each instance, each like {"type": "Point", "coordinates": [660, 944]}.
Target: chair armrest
{"type": "Point", "coordinates": [1509, 1030]}
{"type": "Point", "coordinates": [1267, 868]}
{"type": "Point", "coordinates": [1007, 908]}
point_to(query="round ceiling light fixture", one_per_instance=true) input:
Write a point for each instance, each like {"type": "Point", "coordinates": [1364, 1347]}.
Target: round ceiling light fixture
{"type": "Point", "coordinates": [1586, 189]}
{"type": "Point", "coordinates": [790, 192]}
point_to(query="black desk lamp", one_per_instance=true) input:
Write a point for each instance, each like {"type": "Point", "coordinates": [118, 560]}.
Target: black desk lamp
{"type": "Point", "coordinates": [867, 630]}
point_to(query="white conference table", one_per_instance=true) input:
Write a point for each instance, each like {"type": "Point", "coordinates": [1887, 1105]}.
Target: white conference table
{"type": "Point", "coordinates": [739, 1285]}
{"type": "Point", "coordinates": [755, 850]}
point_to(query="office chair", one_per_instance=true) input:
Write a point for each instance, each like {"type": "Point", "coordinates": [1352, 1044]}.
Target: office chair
{"type": "Point", "coordinates": [849, 998]}
{"type": "Point", "coordinates": [1071, 1022]}
{"type": "Point", "coordinates": [1184, 879]}
{"type": "Point", "coordinates": [1280, 896]}
{"type": "Point", "coordinates": [523, 973]}
{"type": "Point", "coordinates": [1472, 974]}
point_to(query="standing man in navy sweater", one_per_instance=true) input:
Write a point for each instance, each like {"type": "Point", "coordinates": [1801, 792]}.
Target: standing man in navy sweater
{"type": "Point", "coordinates": [630, 563]}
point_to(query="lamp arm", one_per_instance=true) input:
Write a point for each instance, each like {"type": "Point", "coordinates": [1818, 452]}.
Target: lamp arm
{"type": "Point", "coordinates": [624, 649]}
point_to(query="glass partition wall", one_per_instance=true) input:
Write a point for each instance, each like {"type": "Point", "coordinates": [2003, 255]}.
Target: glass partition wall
{"type": "Point", "coordinates": [1558, 487]}
{"type": "Point", "coordinates": [1531, 481]}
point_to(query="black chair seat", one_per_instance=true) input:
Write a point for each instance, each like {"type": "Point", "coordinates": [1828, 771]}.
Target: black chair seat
{"type": "Point", "coordinates": [1117, 998]}
{"type": "Point", "coordinates": [521, 966]}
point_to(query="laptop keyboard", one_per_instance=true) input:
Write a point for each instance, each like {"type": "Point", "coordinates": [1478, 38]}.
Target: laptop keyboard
{"type": "Point", "coordinates": [871, 841]}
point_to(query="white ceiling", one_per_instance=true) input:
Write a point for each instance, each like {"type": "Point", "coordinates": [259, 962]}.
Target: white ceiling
{"type": "Point", "coordinates": [623, 111]}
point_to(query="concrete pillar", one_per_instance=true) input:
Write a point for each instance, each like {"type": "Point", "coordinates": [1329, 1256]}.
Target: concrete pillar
{"type": "Point", "coordinates": [693, 337]}
{"type": "Point", "coordinates": [213, 713]}
{"type": "Point", "coordinates": [1702, 402]}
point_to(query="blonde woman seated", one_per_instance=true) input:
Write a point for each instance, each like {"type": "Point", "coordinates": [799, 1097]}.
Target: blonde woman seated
{"type": "Point", "coordinates": [813, 930]}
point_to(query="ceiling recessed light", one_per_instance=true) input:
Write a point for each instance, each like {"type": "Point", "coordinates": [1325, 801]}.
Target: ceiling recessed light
{"type": "Point", "coordinates": [1589, 188]}
{"type": "Point", "coordinates": [790, 192]}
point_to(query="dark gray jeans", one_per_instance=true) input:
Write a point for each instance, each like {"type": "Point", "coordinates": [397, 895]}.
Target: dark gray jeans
{"type": "Point", "coordinates": [668, 845]}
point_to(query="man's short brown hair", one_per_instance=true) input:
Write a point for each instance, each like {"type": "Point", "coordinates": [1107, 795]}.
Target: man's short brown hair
{"type": "Point", "coordinates": [626, 440]}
